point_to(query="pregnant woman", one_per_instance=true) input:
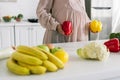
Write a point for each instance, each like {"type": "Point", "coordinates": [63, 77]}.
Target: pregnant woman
{"type": "Point", "coordinates": [52, 13]}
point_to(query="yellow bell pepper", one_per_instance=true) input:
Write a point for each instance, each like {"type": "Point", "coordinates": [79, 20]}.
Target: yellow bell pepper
{"type": "Point", "coordinates": [95, 26]}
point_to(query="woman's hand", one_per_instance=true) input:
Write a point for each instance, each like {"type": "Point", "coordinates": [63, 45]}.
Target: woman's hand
{"type": "Point", "coordinates": [59, 29]}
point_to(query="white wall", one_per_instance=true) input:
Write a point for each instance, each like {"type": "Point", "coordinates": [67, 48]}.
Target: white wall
{"type": "Point", "coordinates": [116, 16]}
{"type": "Point", "coordinates": [26, 7]}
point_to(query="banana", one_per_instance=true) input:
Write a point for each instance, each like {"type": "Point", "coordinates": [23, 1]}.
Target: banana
{"type": "Point", "coordinates": [32, 51]}
{"type": "Point", "coordinates": [17, 69]}
{"type": "Point", "coordinates": [50, 66]}
{"type": "Point", "coordinates": [26, 58]}
{"type": "Point", "coordinates": [53, 59]}
{"type": "Point", "coordinates": [34, 69]}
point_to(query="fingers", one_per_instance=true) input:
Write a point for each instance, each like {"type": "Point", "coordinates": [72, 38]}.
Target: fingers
{"type": "Point", "coordinates": [59, 29]}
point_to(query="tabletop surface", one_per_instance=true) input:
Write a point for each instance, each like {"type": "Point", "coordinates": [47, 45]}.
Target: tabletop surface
{"type": "Point", "coordinates": [75, 69]}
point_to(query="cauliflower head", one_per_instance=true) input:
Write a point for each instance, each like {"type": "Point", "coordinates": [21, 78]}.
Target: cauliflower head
{"type": "Point", "coordinates": [94, 50]}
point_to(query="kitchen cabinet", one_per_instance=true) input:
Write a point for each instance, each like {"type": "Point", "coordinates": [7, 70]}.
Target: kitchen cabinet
{"type": "Point", "coordinates": [29, 34]}
{"type": "Point", "coordinates": [20, 33]}
{"type": "Point", "coordinates": [6, 35]}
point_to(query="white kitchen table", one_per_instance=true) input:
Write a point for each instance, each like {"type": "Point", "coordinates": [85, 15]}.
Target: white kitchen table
{"type": "Point", "coordinates": [76, 69]}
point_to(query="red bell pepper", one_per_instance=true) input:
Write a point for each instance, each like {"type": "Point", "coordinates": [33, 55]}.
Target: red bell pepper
{"type": "Point", "coordinates": [113, 45]}
{"type": "Point", "coordinates": [67, 27]}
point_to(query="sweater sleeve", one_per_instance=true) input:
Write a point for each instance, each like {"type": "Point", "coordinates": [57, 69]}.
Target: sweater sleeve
{"type": "Point", "coordinates": [44, 16]}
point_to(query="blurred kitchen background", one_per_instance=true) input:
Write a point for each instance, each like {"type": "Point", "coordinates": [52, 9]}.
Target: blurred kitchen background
{"type": "Point", "coordinates": [100, 10]}
{"type": "Point", "coordinates": [26, 7]}
{"type": "Point", "coordinates": [107, 11]}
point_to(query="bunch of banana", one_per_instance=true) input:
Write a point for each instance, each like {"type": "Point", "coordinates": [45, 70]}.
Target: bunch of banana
{"type": "Point", "coordinates": [28, 60]}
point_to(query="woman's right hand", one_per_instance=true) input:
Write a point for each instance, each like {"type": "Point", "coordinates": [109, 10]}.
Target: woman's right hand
{"type": "Point", "coordinates": [59, 29]}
